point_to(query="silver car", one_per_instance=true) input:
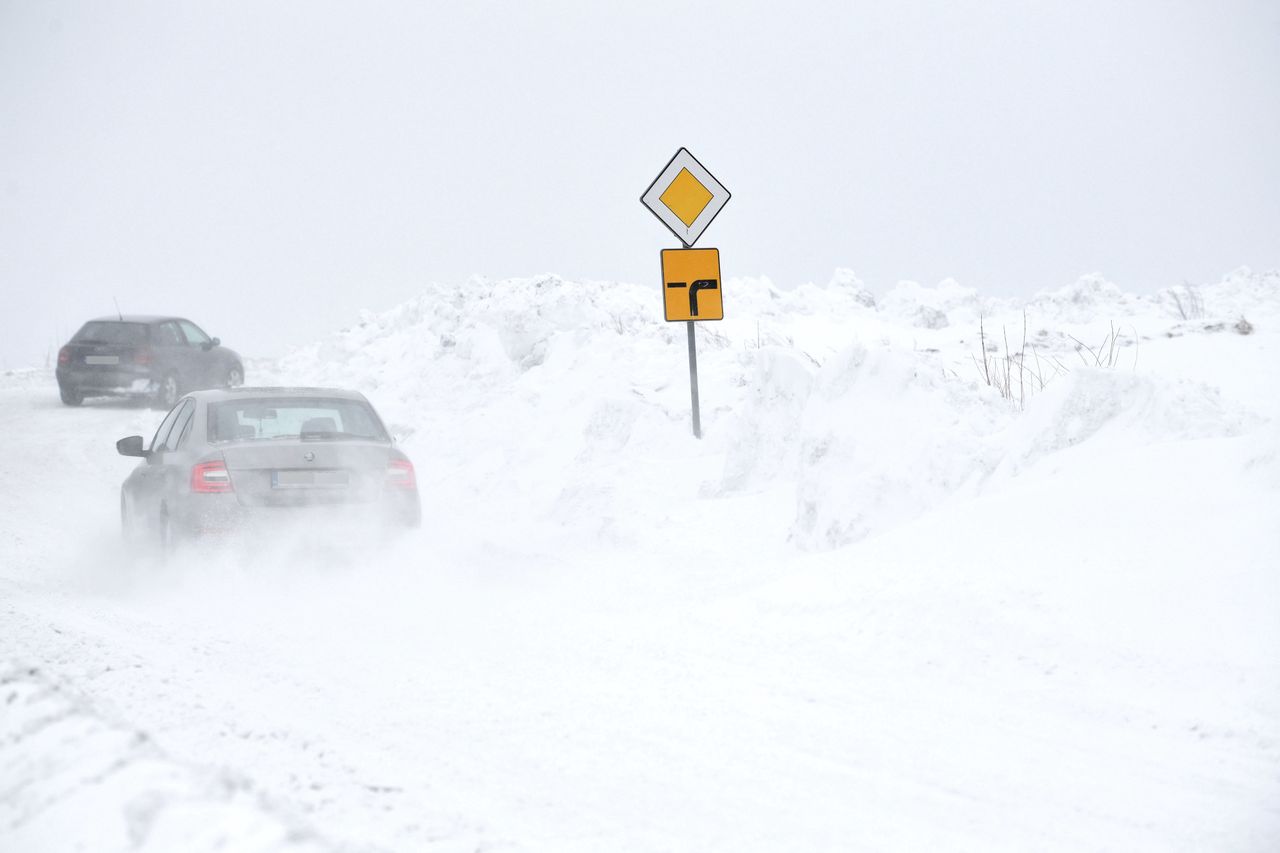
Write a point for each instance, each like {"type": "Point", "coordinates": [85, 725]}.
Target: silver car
{"type": "Point", "coordinates": [224, 460]}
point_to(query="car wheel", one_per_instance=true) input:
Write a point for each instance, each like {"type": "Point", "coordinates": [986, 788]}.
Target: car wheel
{"type": "Point", "coordinates": [70, 396]}
{"type": "Point", "coordinates": [170, 391]}
{"type": "Point", "coordinates": [235, 377]}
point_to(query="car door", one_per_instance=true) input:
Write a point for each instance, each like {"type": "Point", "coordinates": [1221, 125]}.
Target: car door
{"type": "Point", "coordinates": [203, 359]}
{"type": "Point", "coordinates": [172, 353]}
{"type": "Point", "coordinates": [155, 477]}
{"type": "Point", "coordinates": [175, 465]}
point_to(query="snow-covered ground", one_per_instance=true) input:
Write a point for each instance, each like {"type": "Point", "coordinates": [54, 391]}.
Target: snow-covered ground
{"type": "Point", "coordinates": [881, 605]}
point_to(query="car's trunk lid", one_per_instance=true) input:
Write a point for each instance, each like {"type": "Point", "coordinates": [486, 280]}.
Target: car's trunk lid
{"type": "Point", "coordinates": [292, 472]}
{"type": "Point", "coordinates": [93, 356]}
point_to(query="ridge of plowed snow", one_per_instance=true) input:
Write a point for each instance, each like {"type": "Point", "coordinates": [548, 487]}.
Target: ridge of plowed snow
{"type": "Point", "coordinates": [556, 390]}
{"type": "Point", "coordinates": [67, 772]}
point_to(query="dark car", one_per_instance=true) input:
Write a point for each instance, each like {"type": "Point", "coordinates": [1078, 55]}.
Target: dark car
{"type": "Point", "coordinates": [159, 358]}
{"type": "Point", "coordinates": [227, 460]}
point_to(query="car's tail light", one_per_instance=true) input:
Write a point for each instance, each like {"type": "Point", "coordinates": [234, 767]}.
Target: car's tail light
{"type": "Point", "coordinates": [142, 356]}
{"type": "Point", "coordinates": [400, 474]}
{"type": "Point", "coordinates": [210, 478]}
{"type": "Point", "coordinates": [64, 355]}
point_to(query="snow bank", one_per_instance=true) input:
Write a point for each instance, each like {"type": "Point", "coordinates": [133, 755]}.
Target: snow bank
{"type": "Point", "coordinates": [932, 307]}
{"type": "Point", "coordinates": [531, 400]}
{"type": "Point", "coordinates": [26, 377]}
{"type": "Point", "coordinates": [539, 398]}
{"type": "Point", "coordinates": [1240, 293]}
{"type": "Point", "coordinates": [764, 447]}
{"type": "Point", "coordinates": [883, 439]}
{"type": "Point", "coordinates": [72, 780]}
{"type": "Point", "coordinates": [886, 440]}
{"type": "Point", "coordinates": [1119, 409]}
{"type": "Point", "coordinates": [482, 332]}
{"type": "Point", "coordinates": [1087, 298]}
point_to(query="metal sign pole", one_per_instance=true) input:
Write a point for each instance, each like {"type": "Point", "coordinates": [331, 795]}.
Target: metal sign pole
{"type": "Point", "coordinates": [693, 380]}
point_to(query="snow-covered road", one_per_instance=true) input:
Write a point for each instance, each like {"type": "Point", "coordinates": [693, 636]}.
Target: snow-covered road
{"type": "Point", "coordinates": [1082, 656]}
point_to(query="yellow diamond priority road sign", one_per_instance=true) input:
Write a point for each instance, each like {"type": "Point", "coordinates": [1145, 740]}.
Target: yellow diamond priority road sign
{"type": "Point", "coordinates": [686, 197]}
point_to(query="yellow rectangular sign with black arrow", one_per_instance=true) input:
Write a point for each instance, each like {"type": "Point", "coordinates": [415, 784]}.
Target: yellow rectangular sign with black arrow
{"type": "Point", "coordinates": [691, 284]}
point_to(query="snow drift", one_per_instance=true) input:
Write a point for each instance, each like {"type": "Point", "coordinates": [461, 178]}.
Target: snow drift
{"type": "Point", "coordinates": [871, 411]}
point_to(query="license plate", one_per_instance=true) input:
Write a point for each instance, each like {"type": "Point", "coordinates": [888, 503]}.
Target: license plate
{"type": "Point", "coordinates": [309, 479]}
{"type": "Point", "coordinates": [102, 359]}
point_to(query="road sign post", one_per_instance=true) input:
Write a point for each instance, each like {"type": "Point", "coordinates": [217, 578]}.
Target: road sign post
{"type": "Point", "coordinates": [693, 381]}
{"type": "Point", "coordinates": [686, 197]}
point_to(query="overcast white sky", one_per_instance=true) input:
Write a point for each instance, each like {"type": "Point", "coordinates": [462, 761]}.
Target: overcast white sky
{"type": "Point", "coordinates": [268, 169]}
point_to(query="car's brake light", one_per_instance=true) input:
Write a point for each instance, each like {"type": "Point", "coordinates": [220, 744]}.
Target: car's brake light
{"type": "Point", "coordinates": [142, 356]}
{"type": "Point", "coordinates": [64, 355]}
{"type": "Point", "coordinates": [400, 474]}
{"type": "Point", "coordinates": [210, 478]}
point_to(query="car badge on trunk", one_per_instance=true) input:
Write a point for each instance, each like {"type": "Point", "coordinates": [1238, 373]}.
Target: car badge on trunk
{"type": "Point", "coordinates": [310, 456]}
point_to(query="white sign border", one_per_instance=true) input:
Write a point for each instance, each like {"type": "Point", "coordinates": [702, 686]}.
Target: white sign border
{"type": "Point", "coordinates": [652, 197]}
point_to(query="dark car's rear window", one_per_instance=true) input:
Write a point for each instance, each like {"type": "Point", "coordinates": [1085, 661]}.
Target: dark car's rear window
{"type": "Point", "coordinates": [109, 332]}
{"type": "Point", "coordinates": [306, 418]}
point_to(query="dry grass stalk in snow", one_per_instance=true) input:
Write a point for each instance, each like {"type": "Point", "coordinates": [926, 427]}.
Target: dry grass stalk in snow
{"type": "Point", "coordinates": [1106, 354]}
{"type": "Point", "coordinates": [999, 371]}
{"type": "Point", "coordinates": [1190, 304]}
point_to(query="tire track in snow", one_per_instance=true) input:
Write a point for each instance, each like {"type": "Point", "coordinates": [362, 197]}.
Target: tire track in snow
{"type": "Point", "coordinates": [72, 779]}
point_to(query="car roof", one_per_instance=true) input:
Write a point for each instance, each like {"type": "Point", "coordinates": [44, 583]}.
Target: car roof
{"type": "Point", "coordinates": [135, 318]}
{"type": "Point", "coordinates": [218, 395]}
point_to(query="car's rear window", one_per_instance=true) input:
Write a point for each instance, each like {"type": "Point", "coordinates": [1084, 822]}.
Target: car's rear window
{"type": "Point", "coordinates": [306, 418]}
{"type": "Point", "coordinates": [108, 332]}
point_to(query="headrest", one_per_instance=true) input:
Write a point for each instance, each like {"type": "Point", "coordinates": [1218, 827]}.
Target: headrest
{"type": "Point", "coordinates": [318, 425]}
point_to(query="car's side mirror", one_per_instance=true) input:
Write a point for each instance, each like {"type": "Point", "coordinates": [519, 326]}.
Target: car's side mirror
{"type": "Point", "coordinates": [132, 446]}
{"type": "Point", "coordinates": [208, 345]}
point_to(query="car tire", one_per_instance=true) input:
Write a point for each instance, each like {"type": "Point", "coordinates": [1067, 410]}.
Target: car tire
{"type": "Point", "coordinates": [70, 396]}
{"type": "Point", "coordinates": [234, 377]}
{"type": "Point", "coordinates": [170, 390]}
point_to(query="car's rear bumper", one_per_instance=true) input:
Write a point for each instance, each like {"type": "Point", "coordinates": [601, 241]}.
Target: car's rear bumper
{"type": "Point", "coordinates": [221, 514]}
{"type": "Point", "coordinates": [122, 381]}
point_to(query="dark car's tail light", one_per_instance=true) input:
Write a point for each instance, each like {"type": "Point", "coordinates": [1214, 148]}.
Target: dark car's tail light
{"type": "Point", "coordinates": [64, 355]}
{"type": "Point", "coordinates": [142, 356]}
{"type": "Point", "coordinates": [400, 474]}
{"type": "Point", "coordinates": [210, 478]}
